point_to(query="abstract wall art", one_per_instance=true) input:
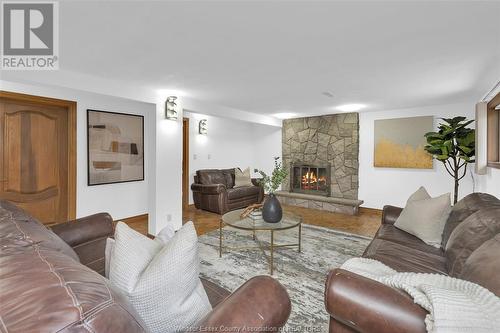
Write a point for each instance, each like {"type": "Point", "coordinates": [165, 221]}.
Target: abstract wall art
{"type": "Point", "coordinates": [115, 147]}
{"type": "Point", "coordinates": [399, 143]}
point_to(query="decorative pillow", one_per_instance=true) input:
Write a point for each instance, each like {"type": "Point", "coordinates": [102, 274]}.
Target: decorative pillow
{"type": "Point", "coordinates": [425, 218]}
{"type": "Point", "coordinates": [110, 242]}
{"type": "Point", "coordinates": [163, 236]}
{"type": "Point", "coordinates": [420, 194]}
{"type": "Point", "coordinates": [160, 280]}
{"type": "Point", "coordinates": [242, 178]}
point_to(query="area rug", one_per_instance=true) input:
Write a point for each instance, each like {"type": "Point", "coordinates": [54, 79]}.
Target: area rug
{"type": "Point", "coordinates": [303, 274]}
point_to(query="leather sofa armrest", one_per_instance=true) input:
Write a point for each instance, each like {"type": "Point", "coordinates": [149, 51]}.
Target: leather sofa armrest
{"type": "Point", "coordinates": [87, 236]}
{"type": "Point", "coordinates": [260, 305]}
{"type": "Point", "coordinates": [85, 229]}
{"type": "Point", "coordinates": [255, 181]}
{"type": "Point", "coordinates": [390, 214]}
{"type": "Point", "coordinates": [366, 305]}
{"type": "Point", "coordinates": [208, 189]}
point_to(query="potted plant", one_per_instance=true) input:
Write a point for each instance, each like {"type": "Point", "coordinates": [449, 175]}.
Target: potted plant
{"type": "Point", "coordinates": [272, 211]}
{"type": "Point", "coordinates": [454, 146]}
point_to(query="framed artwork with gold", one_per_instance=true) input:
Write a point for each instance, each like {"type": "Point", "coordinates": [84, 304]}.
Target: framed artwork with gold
{"type": "Point", "coordinates": [399, 143]}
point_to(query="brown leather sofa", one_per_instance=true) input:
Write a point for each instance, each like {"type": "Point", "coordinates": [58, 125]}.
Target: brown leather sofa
{"type": "Point", "coordinates": [358, 304]}
{"type": "Point", "coordinates": [49, 282]}
{"type": "Point", "coordinates": [214, 190]}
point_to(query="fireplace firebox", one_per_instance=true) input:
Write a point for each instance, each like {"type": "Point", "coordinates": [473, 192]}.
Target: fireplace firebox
{"type": "Point", "coordinates": [310, 178]}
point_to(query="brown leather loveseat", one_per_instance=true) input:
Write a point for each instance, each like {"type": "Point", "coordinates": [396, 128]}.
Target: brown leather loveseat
{"type": "Point", "coordinates": [470, 251]}
{"type": "Point", "coordinates": [214, 190]}
{"type": "Point", "coordinates": [49, 283]}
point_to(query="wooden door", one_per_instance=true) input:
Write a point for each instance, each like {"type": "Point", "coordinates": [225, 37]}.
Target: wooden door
{"type": "Point", "coordinates": [34, 158]}
{"type": "Point", "coordinates": [185, 163]}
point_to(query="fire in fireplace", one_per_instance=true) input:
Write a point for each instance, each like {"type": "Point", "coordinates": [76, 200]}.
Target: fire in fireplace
{"type": "Point", "coordinates": [309, 178]}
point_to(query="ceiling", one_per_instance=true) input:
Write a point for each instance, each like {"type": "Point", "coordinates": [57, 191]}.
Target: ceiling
{"type": "Point", "coordinates": [276, 57]}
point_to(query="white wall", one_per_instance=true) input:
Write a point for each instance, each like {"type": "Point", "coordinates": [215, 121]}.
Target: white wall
{"type": "Point", "coordinates": [120, 200]}
{"type": "Point", "coordinates": [165, 204]}
{"type": "Point", "coordinates": [231, 143]}
{"type": "Point", "coordinates": [381, 186]}
{"type": "Point", "coordinates": [267, 145]}
{"type": "Point", "coordinates": [490, 183]}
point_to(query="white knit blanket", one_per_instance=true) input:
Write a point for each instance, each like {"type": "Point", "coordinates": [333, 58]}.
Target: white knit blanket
{"type": "Point", "coordinates": [454, 305]}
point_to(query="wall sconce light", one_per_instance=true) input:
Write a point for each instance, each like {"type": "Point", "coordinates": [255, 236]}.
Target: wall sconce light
{"type": "Point", "coordinates": [171, 108]}
{"type": "Point", "coordinates": [202, 127]}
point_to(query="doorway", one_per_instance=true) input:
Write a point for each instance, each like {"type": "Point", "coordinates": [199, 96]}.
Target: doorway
{"type": "Point", "coordinates": [185, 163]}
{"type": "Point", "coordinates": [38, 155]}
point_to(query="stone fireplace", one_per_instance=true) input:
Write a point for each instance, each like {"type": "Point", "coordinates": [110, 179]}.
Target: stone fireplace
{"type": "Point", "coordinates": [322, 154]}
{"type": "Point", "coordinates": [310, 178]}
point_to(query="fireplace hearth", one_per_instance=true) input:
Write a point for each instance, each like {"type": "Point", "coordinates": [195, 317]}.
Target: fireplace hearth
{"type": "Point", "coordinates": [310, 178]}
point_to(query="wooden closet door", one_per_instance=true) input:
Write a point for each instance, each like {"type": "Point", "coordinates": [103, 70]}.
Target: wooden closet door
{"type": "Point", "coordinates": [34, 158]}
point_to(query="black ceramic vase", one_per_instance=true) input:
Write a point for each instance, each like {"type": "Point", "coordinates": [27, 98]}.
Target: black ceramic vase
{"type": "Point", "coordinates": [272, 212]}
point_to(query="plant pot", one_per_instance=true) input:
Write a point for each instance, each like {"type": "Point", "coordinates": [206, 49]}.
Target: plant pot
{"type": "Point", "coordinates": [272, 211]}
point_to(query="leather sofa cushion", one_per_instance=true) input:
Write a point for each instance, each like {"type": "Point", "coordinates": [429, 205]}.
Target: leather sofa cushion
{"type": "Point", "coordinates": [405, 259]}
{"type": "Point", "coordinates": [18, 227]}
{"type": "Point", "coordinates": [469, 236]}
{"type": "Point", "coordinates": [45, 289]}
{"type": "Point", "coordinates": [465, 208]}
{"type": "Point", "coordinates": [216, 176]}
{"type": "Point", "coordinates": [64, 294]}
{"type": "Point", "coordinates": [483, 266]}
{"type": "Point", "coordinates": [391, 233]}
{"type": "Point", "coordinates": [243, 191]}
{"type": "Point", "coordinates": [229, 173]}
{"type": "Point", "coordinates": [209, 177]}
{"type": "Point", "coordinates": [216, 294]}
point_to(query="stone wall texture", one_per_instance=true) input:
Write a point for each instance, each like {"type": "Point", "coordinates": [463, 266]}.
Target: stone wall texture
{"type": "Point", "coordinates": [325, 139]}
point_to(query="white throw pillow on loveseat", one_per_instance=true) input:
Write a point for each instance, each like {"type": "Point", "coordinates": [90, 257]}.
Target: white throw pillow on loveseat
{"type": "Point", "coordinates": [161, 280]}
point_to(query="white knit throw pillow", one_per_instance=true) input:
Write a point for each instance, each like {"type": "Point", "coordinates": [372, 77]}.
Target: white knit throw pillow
{"type": "Point", "coordinates": [163, 236]}
{"type": "Point", "coordinates": [160, 280]}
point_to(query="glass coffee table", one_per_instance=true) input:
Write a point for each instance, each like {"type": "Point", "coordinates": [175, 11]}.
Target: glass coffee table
{"type": "Point", "coordinates": [234, 220]}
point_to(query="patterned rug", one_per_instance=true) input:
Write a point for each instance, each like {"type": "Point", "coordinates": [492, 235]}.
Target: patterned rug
{"type": "Point", "coordinates": [303, 274]}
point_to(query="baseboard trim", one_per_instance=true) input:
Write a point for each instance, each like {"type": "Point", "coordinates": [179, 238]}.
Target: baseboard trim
{"type": "Point", "coordinates": [134, 219]}
{"type": "Point", "coordinates": [370, 210]}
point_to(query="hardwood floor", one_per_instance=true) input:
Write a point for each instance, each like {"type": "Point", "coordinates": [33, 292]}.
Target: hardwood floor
{"type": "Point", "coordinates": [204, 221]}
{"type": "Point", "coordinates": [365, 224]}
{"type": "Point", "coordinates": [138, 223]}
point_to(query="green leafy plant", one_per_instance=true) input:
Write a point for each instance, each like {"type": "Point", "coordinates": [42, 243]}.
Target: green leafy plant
{"type": "Point", "coordinates": [454, 146]}
{"type": "Point", "coordinates": [273, 182]}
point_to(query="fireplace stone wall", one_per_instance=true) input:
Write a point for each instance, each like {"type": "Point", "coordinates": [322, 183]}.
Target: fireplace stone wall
{"type": "Point", "coordinates": [329, 139]}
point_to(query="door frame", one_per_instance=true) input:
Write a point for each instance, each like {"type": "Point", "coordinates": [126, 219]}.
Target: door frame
{"type": "Point", "coordinates": [185, 163]}
{"type": "Point", "coordinates": [72, 132]}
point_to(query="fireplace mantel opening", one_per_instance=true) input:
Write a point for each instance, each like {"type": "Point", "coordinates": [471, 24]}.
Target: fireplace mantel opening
{"type": "Point", "coordinates": [310, 178]}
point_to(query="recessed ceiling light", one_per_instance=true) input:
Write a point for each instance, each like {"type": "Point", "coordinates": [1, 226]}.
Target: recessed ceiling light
{"type": "Point", "coordinates": [350, 107]}
{"type": "Point", "coordinates": [285, 115]}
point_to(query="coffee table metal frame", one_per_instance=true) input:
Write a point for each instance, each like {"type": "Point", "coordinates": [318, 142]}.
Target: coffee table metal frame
{"type": "Point", "coordinates": [264, 227]}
